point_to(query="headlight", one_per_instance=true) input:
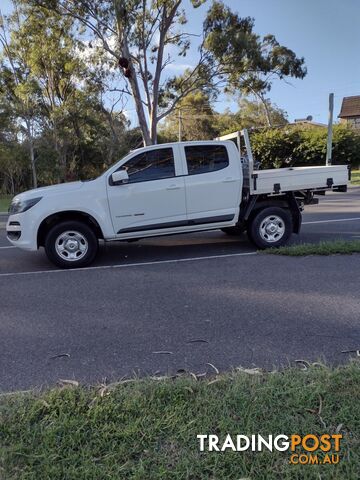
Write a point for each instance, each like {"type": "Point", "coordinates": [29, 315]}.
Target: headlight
{"type": "Point", "coordinates": [20, 206]}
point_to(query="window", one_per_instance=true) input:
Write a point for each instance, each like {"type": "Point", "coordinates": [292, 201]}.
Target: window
{"type": "Point", "coordinates": [152, 165]}
{"type": "Point", "coordinates": [206, 158]}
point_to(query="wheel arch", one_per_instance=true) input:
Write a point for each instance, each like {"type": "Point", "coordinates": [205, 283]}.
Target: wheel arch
{"type": "Point", "coordinates": [67, 215]}
{"type": "Point", "coordinates": [287, 201]}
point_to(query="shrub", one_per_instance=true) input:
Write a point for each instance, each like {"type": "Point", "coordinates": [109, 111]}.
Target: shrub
{"type": "Point", "coordinates": [275, 147]}
{"type": "Point", "coordinates": [301, 146]}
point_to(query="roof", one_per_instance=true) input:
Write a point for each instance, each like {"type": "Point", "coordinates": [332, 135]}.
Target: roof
{"type": "Point", "coordinates": [350, 107]}
{"type": "Point", "coordinates": [308, 123]}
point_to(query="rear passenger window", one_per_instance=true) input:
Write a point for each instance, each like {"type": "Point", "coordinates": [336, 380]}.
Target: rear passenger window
{"type": "Point", "coordinates": [205, 159]}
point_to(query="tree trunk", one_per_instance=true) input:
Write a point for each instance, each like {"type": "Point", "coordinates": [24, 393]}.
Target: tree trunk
{"type": "Point", "coordinates": [33, 167]}
{"type": "Point", "coordinates": [153, 128]}
{"type": "Point", "coordinates": [80, 165]}
{"type": "Point", "coordinates": [61, 155]}
{"type": "Point", "coordinates": [147, 139]}
{"type": "Point", "coordinates": [120, 12]}
{"type": "Point", "coordinates": [63, 166]}
{"type": "Point", "coordinates": [12, 185]}
{"type": "Point", "coordinates": [32, 153]}
{"type": "Point", "coordinates": [266, 110]}
{"type": "Point", "coordinates": [58, 159]}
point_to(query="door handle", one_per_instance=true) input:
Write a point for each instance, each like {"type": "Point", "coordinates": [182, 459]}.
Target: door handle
{"type": "Point", "coordinates": [229, 180]}
{"type": "Point", "coordinates": [173, 187]}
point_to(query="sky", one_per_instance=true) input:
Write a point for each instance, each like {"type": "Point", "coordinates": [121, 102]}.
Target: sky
{"type": "Point", "coordinates": [325, 32]}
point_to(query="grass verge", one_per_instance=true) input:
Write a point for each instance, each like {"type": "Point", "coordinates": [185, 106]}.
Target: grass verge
{"type": "Point", "coordinates": [355, 177]}
{"type": "Point", "coordinates": [146, 429]}
{"type": "Point", "coordinates": [344, 247]}
{"type": "Point", "coordinates": [5, 202]}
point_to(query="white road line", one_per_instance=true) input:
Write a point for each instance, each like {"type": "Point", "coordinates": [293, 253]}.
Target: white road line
{"type": "Point", "coordinates": [8, 246]}
{"type": "Point", "coordinates": [332, 221]}
{"type": "Point", "coordinates": [126, 265]}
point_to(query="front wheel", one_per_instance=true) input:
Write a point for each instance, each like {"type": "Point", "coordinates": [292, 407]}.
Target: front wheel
{"type": "Point", "coordinates": [71, 245]}
{"type": "Point", "coordinates": [271, 227]}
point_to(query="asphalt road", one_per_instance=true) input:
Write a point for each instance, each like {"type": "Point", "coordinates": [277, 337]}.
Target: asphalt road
{"type": "Point", "coordinates": [179, 303]}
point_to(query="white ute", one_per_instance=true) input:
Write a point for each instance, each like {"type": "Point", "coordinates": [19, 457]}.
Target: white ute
{"type": "Point", "coordinates": [166, 189]}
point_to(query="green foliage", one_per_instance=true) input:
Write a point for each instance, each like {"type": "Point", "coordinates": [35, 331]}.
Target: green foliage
{"type": "Point", "coordinates": [355, 177]}
{"type": "Point", "coordinates": [346, 145]}
{"type": "Point", "coordinates": [231, 55]}
{"type": "Point", "coordinates": [5, 202]}
{"type": "Point", "coordinates": [250, 114]}
{"type": "Point", "coordinates": [301, 146]}
{"type": "Point", "coordinates": [275, 148]}
{"type": "Point", "coordinates": [199, 120]}
{"type": "Point", "coordinates": [248, 61]}
{"type": "Point", "coordinates": [197, 117]}
{"type": "Point", "coordinates": [51, 104]}
{"type": "Point", "coordinates": [14, 167]}
{"type": "Point", "coordinates": [234, 58]}
{"type": "Point", "coordinates": [52, 109]}
{"type": "Point", "coordinates": [146, 429]}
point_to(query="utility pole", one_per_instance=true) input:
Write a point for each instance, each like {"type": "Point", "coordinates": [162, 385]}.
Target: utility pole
{"type": "Point", "coordinates": [329, 135]}
{"type": "Point", "coordinates": [180, 133]}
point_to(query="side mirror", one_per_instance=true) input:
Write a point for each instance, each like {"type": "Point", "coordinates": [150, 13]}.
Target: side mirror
{"type": "Point", "coordinates": [121, 176]}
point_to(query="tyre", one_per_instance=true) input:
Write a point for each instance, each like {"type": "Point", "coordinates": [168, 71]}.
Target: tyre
{"type": "Point", "coordinates": [270, 227]}
{"type": "Point", "coordinates": [234, 231]}
{"type": "Point", "coordinates": [71, 244]}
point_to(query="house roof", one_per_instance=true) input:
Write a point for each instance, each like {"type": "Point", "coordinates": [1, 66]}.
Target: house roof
{"type": "Point", "coordinates": [350, 107]}
{"type": "Point", "coordinates": [309, 123]}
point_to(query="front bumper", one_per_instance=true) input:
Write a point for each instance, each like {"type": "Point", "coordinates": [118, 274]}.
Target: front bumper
{"type": "Point", "coordinates": [21, 232]}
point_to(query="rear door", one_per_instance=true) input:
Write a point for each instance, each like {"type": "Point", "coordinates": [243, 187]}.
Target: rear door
{"type": "Point", "coordinates": [212, 183]}
{"type": "Point", "coordinates": [154, 196]}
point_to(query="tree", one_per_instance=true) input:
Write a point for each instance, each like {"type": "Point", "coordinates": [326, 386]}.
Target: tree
{"type": "Point", "coordinates": [250, 115]}
{"type": "Point", "coordinates": [193, 119]}
{"type": "Point", "coordinates": [143, 31]}
{"type": "Point", "coordinates": [67, 86]}
{"type": "Point", "coordinates": [47, 43]}
{"type": "Point", "coordinates": [13, 167]}
{"type": "Point", "coordinates": [137, 34]}
{"type": "Point", "coordinates": [250, 62]}
{"type": "Point", "coordinates": [199, 121]}
{"type": "Point", "coordinates": [52, 103]}
{"type": "Point", "coordinates": [18, 88]}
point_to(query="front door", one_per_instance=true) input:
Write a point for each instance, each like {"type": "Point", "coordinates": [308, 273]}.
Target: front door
{"type": "Point", "coordinates": [153, 198]}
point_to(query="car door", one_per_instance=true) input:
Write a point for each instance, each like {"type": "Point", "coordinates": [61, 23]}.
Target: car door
{"type": "Point", "coordinates": [154, 196]}
{"type": "Point", "coordinates": [212, 183]}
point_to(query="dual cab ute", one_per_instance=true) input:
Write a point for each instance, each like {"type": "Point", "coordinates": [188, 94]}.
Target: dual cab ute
{"type": "Point", "coordinates": [170, 189]}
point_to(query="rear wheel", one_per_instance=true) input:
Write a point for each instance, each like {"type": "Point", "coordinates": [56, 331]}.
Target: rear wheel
{"type": "Point", "coordinates": [71, 245]}
{"type": "Point", "coordinates": [271, 227]}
